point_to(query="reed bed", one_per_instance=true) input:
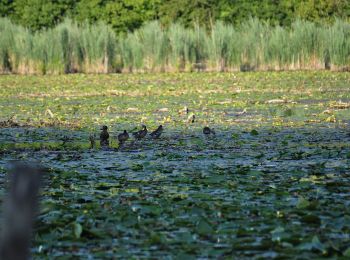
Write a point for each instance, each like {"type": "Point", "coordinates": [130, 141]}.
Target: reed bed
{"type": "Point", "coordinates": [254, 45]}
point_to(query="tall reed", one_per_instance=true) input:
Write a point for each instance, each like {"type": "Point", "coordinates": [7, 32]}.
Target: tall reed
{"type": "Point", "coordinates": [94, 48]}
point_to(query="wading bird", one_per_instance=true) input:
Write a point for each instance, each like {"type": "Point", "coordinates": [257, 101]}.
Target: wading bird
{"type": "Point", "coordinates": [156, 134]}
{"type": "Point", "coordinates": [123, 137]}
{"type": "Point", "coordinates": [92, 141]}
{"type": "Point", "coordinates": [140, 134]}
{"type": "Point", "coordinates": [104, 137]}
{"type": "Point", "coordinates": [207, 131]}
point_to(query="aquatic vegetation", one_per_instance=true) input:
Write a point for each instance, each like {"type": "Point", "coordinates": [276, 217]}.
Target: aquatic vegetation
{"type": "Point", "coordinates": [272, 182]}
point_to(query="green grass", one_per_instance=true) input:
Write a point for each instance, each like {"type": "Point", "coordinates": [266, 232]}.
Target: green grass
{"type": "Point", "coordinates": [91, 100]}
{"type": "Point", "coordinates": [274, 182]}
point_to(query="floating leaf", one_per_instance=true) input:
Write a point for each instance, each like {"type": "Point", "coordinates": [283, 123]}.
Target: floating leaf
{"type": "Point", "coordinates": [302, 203]}
{"type": "Point", "coordinates": [78, 229]}
{"type": "Point", "coordinates": [278, 234]}
{"type": "Point", "coordinates": [347, 252]}
{"type": "Point", "coordinates": [204, 227]}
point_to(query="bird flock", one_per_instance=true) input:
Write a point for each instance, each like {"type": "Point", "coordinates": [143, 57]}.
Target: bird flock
{"type": "Point", "coordinates": [124, 136]}
{"type": "Point", "coordinates": [138, 135]}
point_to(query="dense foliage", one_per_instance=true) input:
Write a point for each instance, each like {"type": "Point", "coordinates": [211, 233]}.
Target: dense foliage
{"type": "Point", "coordinates": [124, 15]}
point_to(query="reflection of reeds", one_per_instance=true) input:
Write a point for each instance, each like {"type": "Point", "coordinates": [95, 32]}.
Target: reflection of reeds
{"type": "Point", "coordinates": [253, 45]}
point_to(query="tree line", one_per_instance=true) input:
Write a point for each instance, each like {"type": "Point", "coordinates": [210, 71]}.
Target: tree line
{"type": "Point", "coordinates": [127, 15]}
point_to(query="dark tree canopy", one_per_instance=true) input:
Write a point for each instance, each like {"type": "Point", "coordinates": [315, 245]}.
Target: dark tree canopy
{"type": "Point", "coordinates": [127, 15]}
{"type": "Point", "coordinates": [189, 12]}
{"type": "Point", "coordinates": [6, 7]}
{"type": "Point", "coordinates": [38, 14]}
{"type": "Point", "coordinates": [124, 15]}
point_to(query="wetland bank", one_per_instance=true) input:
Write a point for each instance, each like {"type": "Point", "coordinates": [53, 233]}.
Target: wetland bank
{"type": "Point", "coordinates": [272, 183]}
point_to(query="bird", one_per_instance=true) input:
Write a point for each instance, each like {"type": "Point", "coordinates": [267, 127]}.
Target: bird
{"type": "Point", "coordinates": [92, 141]}
{"type": "Point", "coordinates": [104, 136]}
{"type": "Point", "coordinates": [156, 134]}
{"type": "Point", "coordinates": [184, 111]}
{"type": "Point", "coordinates": [123, 137]}
{"type": "Point", "coordinates": [140, 134]}
{"type": "Point", "coordinates": [207, 131]}
{"type": "Point", "coordinates": [191, 118]}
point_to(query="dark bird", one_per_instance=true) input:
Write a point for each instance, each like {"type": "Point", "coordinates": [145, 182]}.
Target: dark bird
{"type": "Point", "coordinates": [207, 131]}
{"type": "Point", "coordinates": [123, 137]}
{"type": "Point", "coordinates": [104, 137]}
{"type": "Point", "coordinates": [156, 134]}
{"type": "Point", "coordinates": [140, 134]}
{"type": "Point", "coordinates": [92, 141]}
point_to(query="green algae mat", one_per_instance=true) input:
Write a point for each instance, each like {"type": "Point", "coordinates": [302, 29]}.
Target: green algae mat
{"type": "Point", "coordinates": [274, 182]}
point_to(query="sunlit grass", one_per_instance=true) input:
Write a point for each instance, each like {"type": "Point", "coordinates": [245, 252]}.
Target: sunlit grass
{"type": "Point", "coordinates": [253, 45]}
